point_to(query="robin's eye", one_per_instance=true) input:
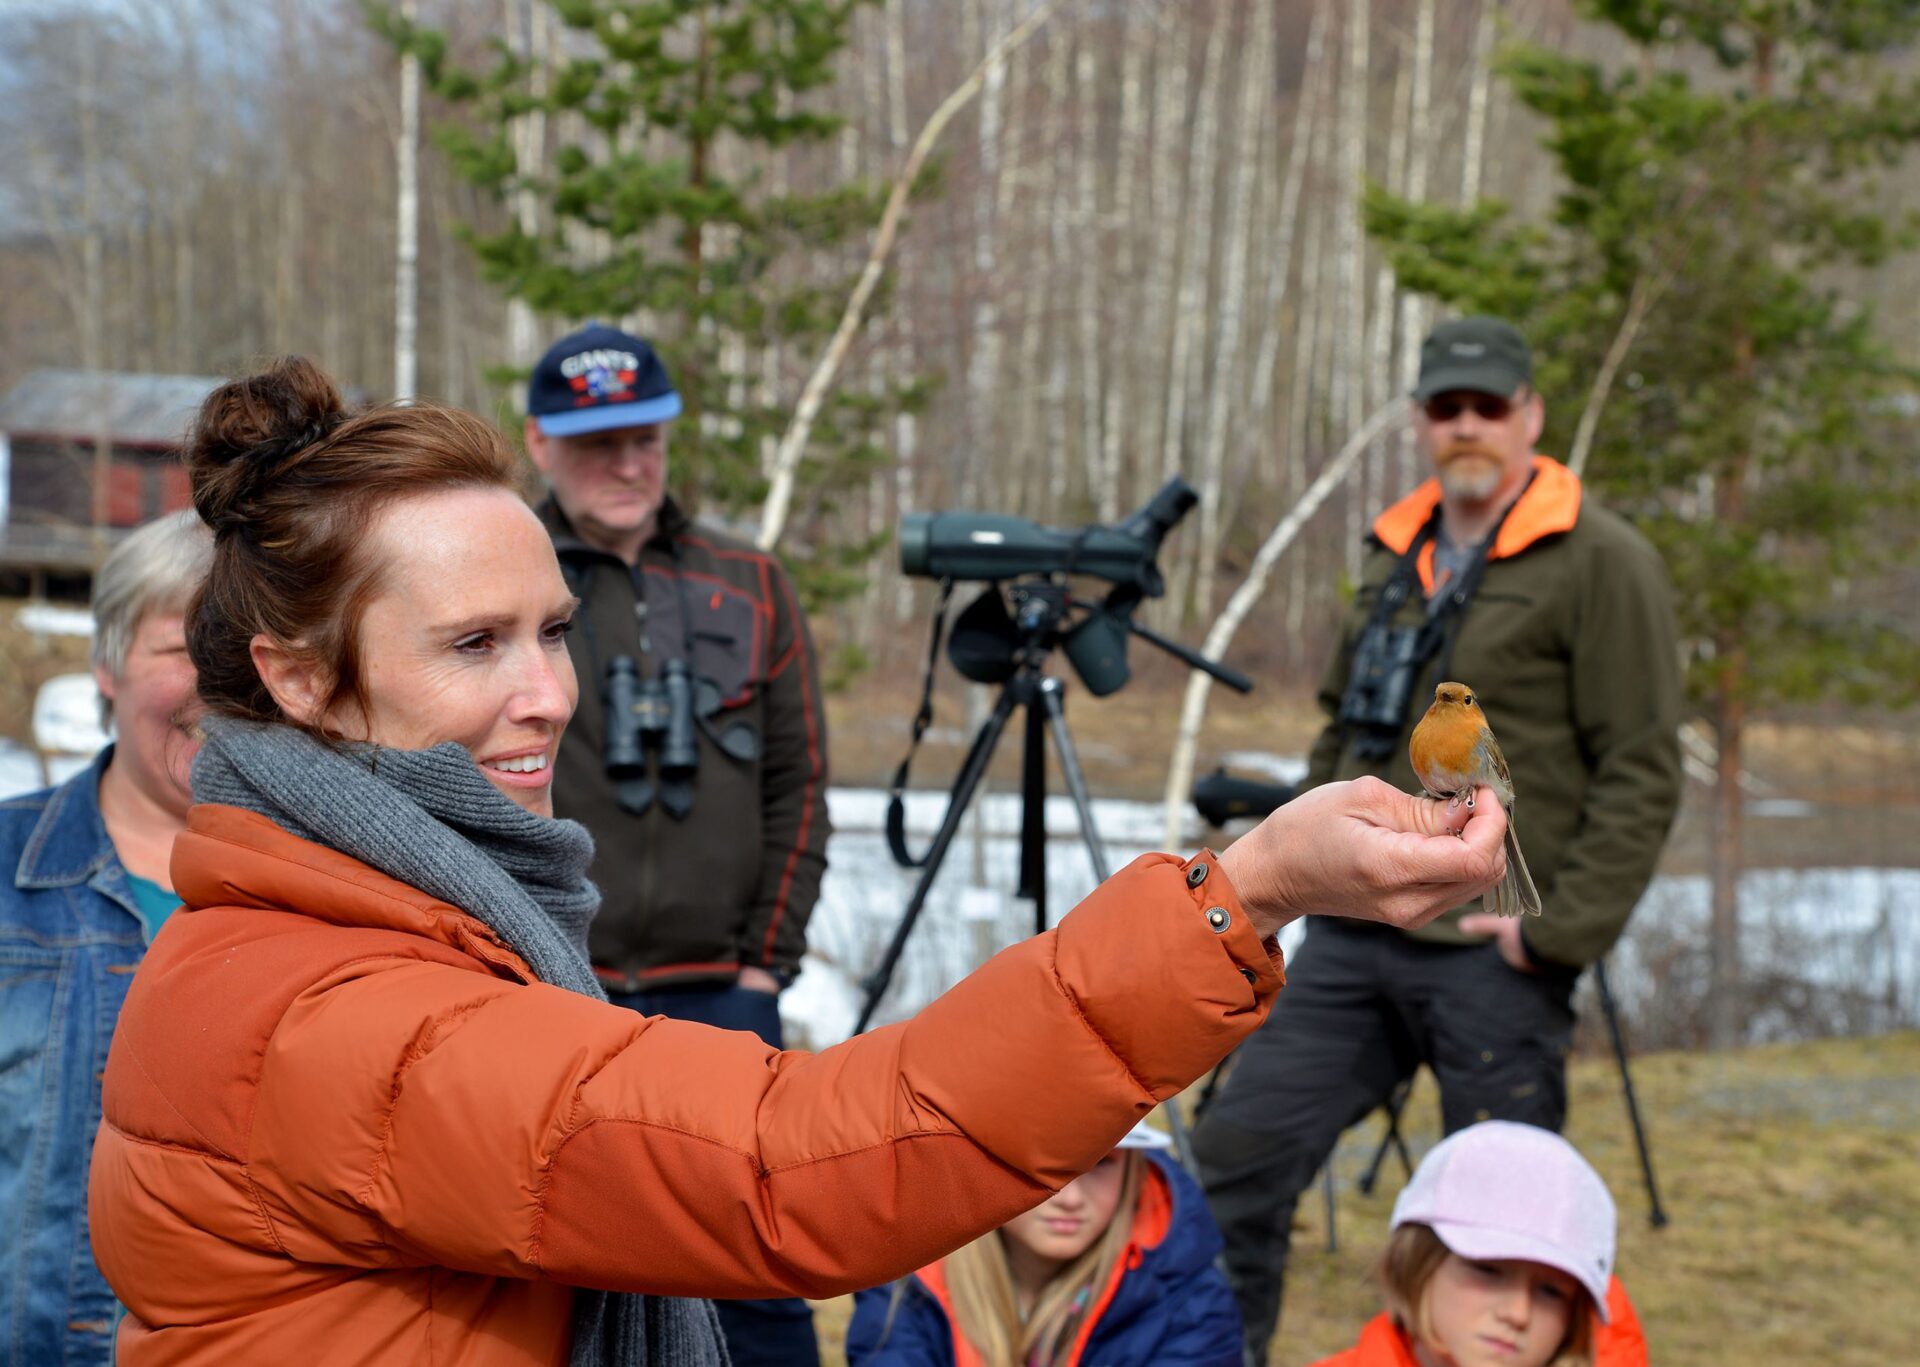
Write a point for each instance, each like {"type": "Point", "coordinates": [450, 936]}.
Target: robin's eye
{"type": "Point", "coordinates": [1469, 700]}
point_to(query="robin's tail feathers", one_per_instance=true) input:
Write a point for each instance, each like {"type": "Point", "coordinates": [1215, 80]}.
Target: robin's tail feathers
{"type": "Point", "coordinates": [1516, 894]}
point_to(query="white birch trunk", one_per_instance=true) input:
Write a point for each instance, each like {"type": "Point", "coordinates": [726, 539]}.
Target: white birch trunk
{"type": "Point", "coordinates": [1185, 368]}
{"type": "Point", "coordinates": [983, 365]}
{"type": "Point", "coordinates": [1058, 465]}
{"type": "Point", "coordinates": [1170, 172]}
{"type": "Point", "coordinates": [93, 322]}
{"type": "Point", "coordinates": [1089, 276]}
{"type": "Point", "coordinates": [1349, 395]}
{"type": "Point", "coordinates": [905, 425]}
{"type": "Point", "coordinates": [406, 266]}
{"type": "Point", "coordinates": [1380, 323]}
{"type": "Point", "coordinates": [529, 34]}
{"type": "Point", "coordinates": [1256, 79]}
{"type": "Point", "coordinates": [1299, 153]}
{"type": "Point", "coordinates": [793, 442]}
{"type": "Point", "coordinates": [1413, 310]}
{"type": "Point", "coordinates": [1120, 371]}
{"type": "Point", "coordinates": [1193, 707]}
{"type": "Point", "coordinates": [1376, 483]}
{"type": "Point", "coordinates": [1479, 94]}
{"type": "Point", "coordinates": [1322, 416]}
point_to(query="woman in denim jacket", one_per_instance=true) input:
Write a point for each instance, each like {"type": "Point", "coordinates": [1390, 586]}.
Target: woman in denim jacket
{"type": "Point", "coordinates": [86, 887]}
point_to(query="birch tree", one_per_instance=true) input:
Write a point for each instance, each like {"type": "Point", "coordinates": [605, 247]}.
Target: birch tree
{"type": "Point", "coordinates": [1413, 319]}
{"type": "Point", "coordinates": [1121, 230]}
{"type": "Point", "coordinates": [1752, 452]}
{"type": "Point", "coordinates": [1183, 371]}
{"type": "Point", "coordinates": [1348, 390]}
{"type": "Point", "coordinates": [1193, 708]}
{"type": "Point", "coordinates": [406, 271]}
{"type": "Point", "coordinates": [1256, 79]}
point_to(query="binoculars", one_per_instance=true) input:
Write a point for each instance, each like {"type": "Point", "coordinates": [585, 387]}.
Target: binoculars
{"type": "Point", "coordinates": [1386, 662]}
{"type": "Point", "coordinates": [643, 713]}
{"type": "Point", "coordinates": [664, 714]}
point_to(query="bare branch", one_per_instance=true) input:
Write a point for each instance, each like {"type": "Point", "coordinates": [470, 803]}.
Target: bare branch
{"type": "Point", "coordinates": [1193, 708]}
{"type": "Point", "coordinates": [786, 460]}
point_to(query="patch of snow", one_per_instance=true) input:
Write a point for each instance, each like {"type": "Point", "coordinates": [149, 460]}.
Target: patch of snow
{"type": "Point", "coordinates": [822, 1006]}
{"type": "Point", "coordinates": [1781, 808]}
{"type": "Point", "coordinates": [1840, 929]}
{"type": "Point", "coordinates": [20, 769]}
{"type": "Point", "coordinates": [1275, 768]}
{"type": "Point", "coordinates": [46, 619]}
{"type": "Point", "coordinates": [66, 716]}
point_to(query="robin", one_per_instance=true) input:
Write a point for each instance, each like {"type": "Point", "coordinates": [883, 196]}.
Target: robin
{"type": "Point", "coordinates": [1454, 752]}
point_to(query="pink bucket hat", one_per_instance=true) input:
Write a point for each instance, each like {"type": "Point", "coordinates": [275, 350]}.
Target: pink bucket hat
{"type": "Point", "coordinates": [1498, 1190]}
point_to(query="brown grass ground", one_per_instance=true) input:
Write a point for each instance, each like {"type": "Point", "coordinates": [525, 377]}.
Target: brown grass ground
{"type": "Point", "coordinates": [1790, 1174]}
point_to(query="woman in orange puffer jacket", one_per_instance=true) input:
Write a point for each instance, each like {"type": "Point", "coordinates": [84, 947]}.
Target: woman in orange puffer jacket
{"type": "Point", "coordinates": [366, 1103]}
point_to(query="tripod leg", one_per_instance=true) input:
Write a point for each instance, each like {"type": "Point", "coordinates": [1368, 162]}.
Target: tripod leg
{"type": "Point", "coordinates": [1052, 698]}
{"type": "Point", "coordinates": [971, 773]}
{"type": "Point", "coordinates": [1656, 1216]}
{"type": "Point", "coordinates": [1052, 695]}
{"type": "Point", "coordinates": [1396, 1103]}
{"type": "Point", "coordinates": [1033, 813]}
{"type": "Point", "coordinates": [1211, 1087]}
{"type": "Point", "coordinates": [1326, 1186]}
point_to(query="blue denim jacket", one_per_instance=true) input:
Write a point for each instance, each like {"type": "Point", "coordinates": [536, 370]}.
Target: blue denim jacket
{"type": "Point", "coordinates": [69, 942]}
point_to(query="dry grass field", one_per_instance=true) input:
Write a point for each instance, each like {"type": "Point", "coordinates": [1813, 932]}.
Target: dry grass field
{"type": "Point", "coordinates": [1791, 1176]}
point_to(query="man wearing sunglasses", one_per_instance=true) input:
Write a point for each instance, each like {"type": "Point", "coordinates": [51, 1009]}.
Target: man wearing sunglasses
{"type": "Point", "coordinates": [1502, 572]}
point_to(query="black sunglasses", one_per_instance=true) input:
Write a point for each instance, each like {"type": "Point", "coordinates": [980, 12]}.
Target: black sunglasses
{"type": "Point", "coordinates": [1487, 407]}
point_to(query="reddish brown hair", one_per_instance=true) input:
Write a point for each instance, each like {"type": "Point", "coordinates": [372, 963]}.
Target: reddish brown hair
{"type": "Point", "coordinates": [290, 482]}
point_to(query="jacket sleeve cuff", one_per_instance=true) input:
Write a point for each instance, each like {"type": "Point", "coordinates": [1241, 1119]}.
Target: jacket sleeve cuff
{"type": "Point", "coordinates": [1260, 961]}
{"type": "Point", "coordinates": [1177, 929]}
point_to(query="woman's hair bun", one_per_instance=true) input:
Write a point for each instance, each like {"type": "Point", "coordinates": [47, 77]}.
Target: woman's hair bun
{"type": "Point", "coordinates": [250, 429]}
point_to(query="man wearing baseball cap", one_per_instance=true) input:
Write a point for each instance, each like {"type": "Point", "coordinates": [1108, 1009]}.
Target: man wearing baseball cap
{"type": "Point", "coordinates": [697, 754]}
{"type": "Point", "coordinates": [1501, 572]}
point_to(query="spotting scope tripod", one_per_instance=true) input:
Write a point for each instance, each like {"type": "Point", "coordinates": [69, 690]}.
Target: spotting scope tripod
{"type": "Point", "coordinates": [1043, 614]}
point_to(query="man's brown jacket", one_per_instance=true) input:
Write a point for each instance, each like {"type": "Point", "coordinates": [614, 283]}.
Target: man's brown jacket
{"type": "Point", "coordinates": [1571, 647]}
{"type": "Point", "coordinates": [732, 884]}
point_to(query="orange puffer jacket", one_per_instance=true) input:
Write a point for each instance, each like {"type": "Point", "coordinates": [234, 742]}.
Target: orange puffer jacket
{"type": "Point", "coordinates": [343, 1126]}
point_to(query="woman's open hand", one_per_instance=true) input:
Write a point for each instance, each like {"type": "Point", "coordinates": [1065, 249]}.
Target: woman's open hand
{"type": "Point", "coordinates": [1365, 849]}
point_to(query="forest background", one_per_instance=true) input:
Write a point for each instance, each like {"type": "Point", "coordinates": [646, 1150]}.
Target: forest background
{"type": "Point", "coordinates": [1160, 237]}
{"type": "Point", "coordinates": [1175, 236]}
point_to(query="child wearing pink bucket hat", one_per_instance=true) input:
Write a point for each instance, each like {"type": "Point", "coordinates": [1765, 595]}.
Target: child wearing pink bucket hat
{"type": "Point", "coordinates": [1501, 1253]}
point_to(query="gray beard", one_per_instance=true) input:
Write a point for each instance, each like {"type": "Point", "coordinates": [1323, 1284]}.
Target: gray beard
{"type": "Point", "coordinates": [1471, 488]}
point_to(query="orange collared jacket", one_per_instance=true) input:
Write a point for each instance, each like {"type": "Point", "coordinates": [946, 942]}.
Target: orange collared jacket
{"type": "Point", "coordinates": [343, 1126]}
{"type": "Point", "coordinates": [1620, 1343]}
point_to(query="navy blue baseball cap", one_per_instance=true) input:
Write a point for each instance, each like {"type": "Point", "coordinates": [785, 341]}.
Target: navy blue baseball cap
{"type": "Point", "coordinates": [597, 378]}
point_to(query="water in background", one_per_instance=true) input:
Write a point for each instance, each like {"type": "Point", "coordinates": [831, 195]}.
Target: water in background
{"type": "Point", "coordinates": [1829, 951]}
{"type": "Point", "coordinates": [1833, 951]}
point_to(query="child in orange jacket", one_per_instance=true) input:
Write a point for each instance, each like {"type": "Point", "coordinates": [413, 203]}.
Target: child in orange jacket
{"type": "Point", "coordinates": [1501, 1253]}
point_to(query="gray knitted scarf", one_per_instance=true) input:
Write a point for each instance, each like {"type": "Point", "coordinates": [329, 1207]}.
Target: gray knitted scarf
{"type": "Point", "coordinates": [430, 819]}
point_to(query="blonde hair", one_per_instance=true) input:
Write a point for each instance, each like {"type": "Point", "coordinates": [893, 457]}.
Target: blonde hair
{"type": "Point", "coordinates": [987, 1312]}
{"type": "Point", "coordinates": [1414, 1253]}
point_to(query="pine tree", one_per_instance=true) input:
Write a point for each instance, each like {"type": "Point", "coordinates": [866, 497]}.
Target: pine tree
{"type": "Point", "coordinates": [1689, 305]}
{"type": "Point", "coordinates": [660, 212]}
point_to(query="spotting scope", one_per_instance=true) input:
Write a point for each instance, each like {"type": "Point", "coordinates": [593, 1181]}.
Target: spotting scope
{"type": "Point", "coordinates": [995, 546]}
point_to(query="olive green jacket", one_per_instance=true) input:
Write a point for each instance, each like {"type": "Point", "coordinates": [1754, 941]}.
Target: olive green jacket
{"type": "Point", "coordinates": [1571, 647]}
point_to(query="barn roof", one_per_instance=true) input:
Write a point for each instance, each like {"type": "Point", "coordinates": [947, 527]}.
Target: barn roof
{"type": "Point", "coordinates": [139, 410]}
